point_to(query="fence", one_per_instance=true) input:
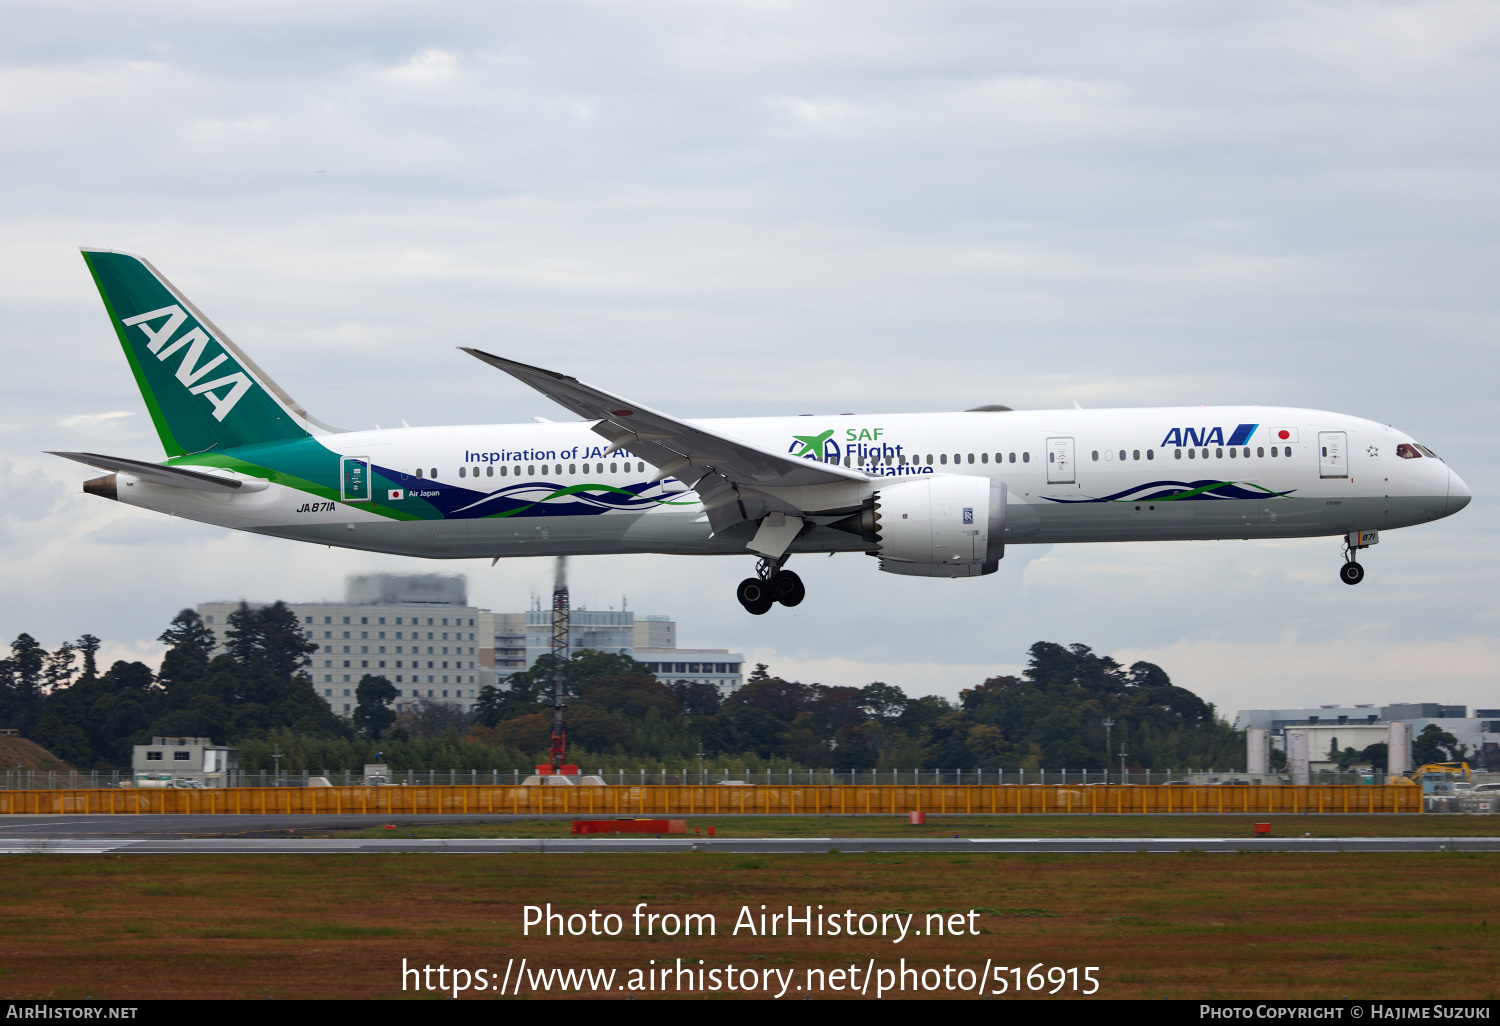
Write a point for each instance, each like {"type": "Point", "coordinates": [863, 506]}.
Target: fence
{"type": "Point", "coordinates": [659, 799]}
{"type": "Point", "coordinates": [11, 780]}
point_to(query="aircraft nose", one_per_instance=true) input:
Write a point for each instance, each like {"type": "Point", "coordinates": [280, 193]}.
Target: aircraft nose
{"type": "Point", "coordinates": [1458, 492]}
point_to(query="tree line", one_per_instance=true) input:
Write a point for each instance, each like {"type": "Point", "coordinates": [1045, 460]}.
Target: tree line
{"type": "Point", "coordinates": [90, 719]}
{"type": "Point", "coordinates": [1069, 708]}
{"type": "Point", "coordinates": [1064, 709]}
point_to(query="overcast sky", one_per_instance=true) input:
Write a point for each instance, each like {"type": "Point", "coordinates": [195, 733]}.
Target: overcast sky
{"type": "Point", "coordinates": [771, 208]}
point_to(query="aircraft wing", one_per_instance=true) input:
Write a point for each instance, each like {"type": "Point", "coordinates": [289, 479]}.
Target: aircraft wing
{"type": "Point", "coordinates": [175, 477]}
{"type": "Point", "coordinates": [735, 480]}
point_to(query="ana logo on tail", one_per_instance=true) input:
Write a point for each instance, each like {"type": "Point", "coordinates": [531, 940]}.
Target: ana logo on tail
{"type": "Point", "coordinates": [190, 371]}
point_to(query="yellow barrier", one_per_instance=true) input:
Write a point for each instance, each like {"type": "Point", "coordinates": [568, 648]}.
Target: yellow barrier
{"type": "Point", "coordinates": [679, 799]}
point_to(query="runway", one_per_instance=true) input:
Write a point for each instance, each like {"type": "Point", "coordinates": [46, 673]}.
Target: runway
{"type": "Point", "coordinates": [57, 845]}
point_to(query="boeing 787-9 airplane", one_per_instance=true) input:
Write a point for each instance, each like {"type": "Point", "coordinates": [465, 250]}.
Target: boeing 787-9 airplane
{"type": "Point", "coordinates": [928, 494]}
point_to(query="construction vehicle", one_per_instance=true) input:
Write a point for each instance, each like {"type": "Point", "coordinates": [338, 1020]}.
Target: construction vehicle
{"type": "Point", "coordinates": [1437, 777]}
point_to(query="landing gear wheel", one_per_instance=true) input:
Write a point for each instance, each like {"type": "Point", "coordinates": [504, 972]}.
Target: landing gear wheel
{"type": "Point", "coordinates": [787, 588]}
{"type": "Point", "coordinates": [1352, 573]}
{"type": "Point", "coordinates": [755, 596]}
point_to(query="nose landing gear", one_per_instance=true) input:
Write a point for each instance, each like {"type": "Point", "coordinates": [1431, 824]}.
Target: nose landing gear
{"type": "Point", "coordinates": [1351, 572]}
{"type": "Point", "coordinates": [770, 585]}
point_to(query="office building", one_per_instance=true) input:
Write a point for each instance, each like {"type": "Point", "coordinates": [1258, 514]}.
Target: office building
{"type": "Point", "coordinates": [522, 638]}
{"type": "Point", "coordinates": [416, 630]}
{"type": "Point", "coordinates": [420, 633]}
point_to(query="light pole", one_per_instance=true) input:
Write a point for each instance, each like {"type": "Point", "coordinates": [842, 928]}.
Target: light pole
{"type": "Point", "coordinates": [1108, 723]}
{"type": "Point", "coordinates": [1124, 778]}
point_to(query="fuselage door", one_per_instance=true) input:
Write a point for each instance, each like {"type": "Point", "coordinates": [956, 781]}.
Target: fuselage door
{"type": "Point", "coordinates": [1333, 454]}
{"type": "Point", "coordinates": [1060, 461]}
{"type": "Point", "coordinates": [356, 479]}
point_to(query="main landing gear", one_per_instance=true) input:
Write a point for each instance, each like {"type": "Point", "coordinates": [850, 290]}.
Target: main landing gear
{"type": "Point", "coordinates": [1351, 572]}
{"type": "Point", "coordinates": [770, 585]}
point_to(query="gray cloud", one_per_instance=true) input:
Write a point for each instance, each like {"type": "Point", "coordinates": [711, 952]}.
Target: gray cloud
{"type": "Point", "coordinates": [896, 207]}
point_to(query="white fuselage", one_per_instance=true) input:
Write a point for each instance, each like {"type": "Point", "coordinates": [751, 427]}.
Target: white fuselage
{"type": "Point", "coordinates": [1070, 476]}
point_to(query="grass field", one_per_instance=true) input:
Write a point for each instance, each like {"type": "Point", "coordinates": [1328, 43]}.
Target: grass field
{"type": "Point", "coordinates": [993, 826]}
{"type": "Point", "coordinates": [338, 926]}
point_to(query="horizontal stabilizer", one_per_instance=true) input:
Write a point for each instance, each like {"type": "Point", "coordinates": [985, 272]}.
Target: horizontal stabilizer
{"type": "Point", "coordinates": [173, 477]}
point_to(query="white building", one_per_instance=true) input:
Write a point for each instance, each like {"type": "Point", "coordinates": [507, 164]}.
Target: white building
{"type": "Point", "coordinates": [522, 638]}
{"type": "Point", "coordinates": [1359, 726]}
{"type": "Point", "coordinates": [167, 760]}
{"type": "Point", "coordinates": [418, 631]}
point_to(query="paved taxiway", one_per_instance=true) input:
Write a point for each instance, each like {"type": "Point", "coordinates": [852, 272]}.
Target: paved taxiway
{"type": "Point", "coordinates": [40, 845]}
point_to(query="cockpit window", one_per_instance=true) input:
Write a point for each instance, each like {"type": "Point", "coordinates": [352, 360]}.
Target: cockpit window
{"type": "Point", "coordinates": [1428, 452]}
{"type": "Point", "coordinates": [1408, 452]}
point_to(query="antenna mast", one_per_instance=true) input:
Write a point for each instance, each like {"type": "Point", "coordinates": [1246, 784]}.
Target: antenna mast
{"type": "Point", "coordinates": [559, 666]}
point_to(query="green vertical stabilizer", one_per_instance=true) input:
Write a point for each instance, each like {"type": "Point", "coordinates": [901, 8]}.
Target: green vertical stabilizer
{"type": "Point", "coordinates": [204, 394]}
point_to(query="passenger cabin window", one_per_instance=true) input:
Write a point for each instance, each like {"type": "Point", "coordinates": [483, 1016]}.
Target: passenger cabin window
{"type": "Point", "coordinates": [1096, 455]}
{"type": "Point", "coordinates": [1025, 457]}
{"type": "Point", "coordinates": [984, 457]}
{"type": "Point", "coordinates": [943, 459]}
{"type": "Point", "coordinates": [434, 473]}
{"type": "Point", "coordinates": [1135, 454]}
{"type": "Point", "coordinates": [1177, 454]}
{"type": "Point", "coordinates": [461, 471]}
{"type": "Point", "coordinates": [419, 473]}
{"type": "Point", "coordinates": [1260, 452]}
{"type": "Point", "coordinates": [971, 457]}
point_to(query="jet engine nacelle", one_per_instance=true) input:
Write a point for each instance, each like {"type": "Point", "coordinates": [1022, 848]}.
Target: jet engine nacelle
{"type": "Point", "coordinates": [936, 526]}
